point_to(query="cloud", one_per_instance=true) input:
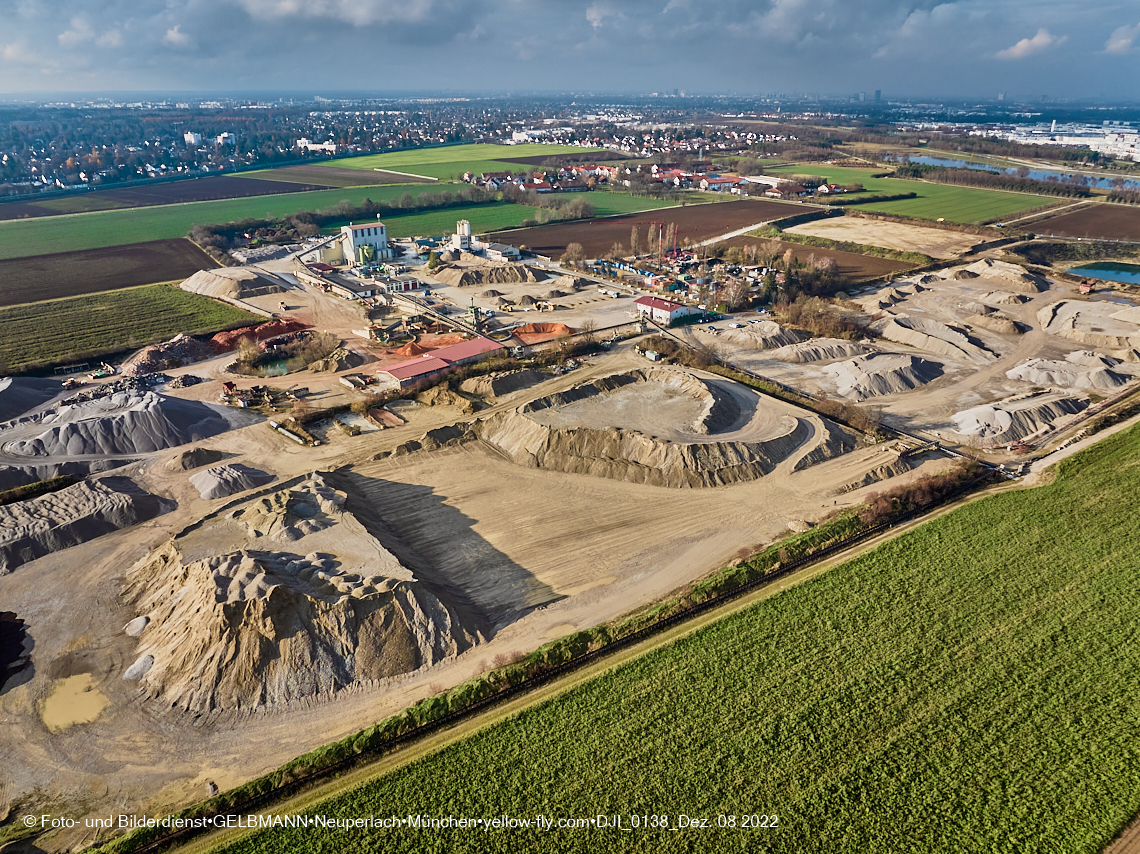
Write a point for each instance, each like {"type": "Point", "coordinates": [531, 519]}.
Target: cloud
{"type": "Point", "coordinates": [111, 38]}
{"type": "Point", "coordinates": [1121, 39]}
{"type": "Point", "coordinates": [80, 32]}
{"type": "Point", "coordinates": [359, 13]}
{"type": "Point", "coordinates": [14, 52]}
{"type": "Point", "coordinates": [596, 13]}
{"type": "Point", "coordinates": [1028, 47]}
{"type": "Point", "coordinates": [176, 38]}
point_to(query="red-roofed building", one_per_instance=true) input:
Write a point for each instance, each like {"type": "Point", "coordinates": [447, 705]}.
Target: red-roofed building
{"type": "Point", "coordinates": [409, 373]}
{"type": "Point", "coordinates": [468, 351]}
{"type": "Point", "coordinates": [663, 311]}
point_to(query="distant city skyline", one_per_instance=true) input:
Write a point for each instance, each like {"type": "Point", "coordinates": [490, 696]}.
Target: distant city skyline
{"type": "Point", "coordinates": [967, 49]}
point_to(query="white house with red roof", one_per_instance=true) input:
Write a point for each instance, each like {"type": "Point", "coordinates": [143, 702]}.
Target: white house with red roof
{"type": "Point", "coordinates": [663, 311]}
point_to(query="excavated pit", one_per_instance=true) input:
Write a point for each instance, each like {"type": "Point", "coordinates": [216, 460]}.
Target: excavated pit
{"type": "Point", "coordinates": [281, 598]}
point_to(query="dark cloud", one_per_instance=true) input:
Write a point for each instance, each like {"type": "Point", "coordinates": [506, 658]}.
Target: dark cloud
{"type": "Point", "coordinates": [961, 47]}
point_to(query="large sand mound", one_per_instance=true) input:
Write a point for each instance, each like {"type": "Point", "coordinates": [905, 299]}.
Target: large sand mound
{"type": "Point", "coordinates": [537, 333]}
{"type": "Point", "coordinates": [763, 336]}
{"type": "Point", "coordinates": [1016, 418]}
{"type": "Point", "coordinates": [994, 321]}
{"type": "Point", "coordinates": [246, 628]}
{"type": "Point", "coordinates": [1006, 276]}
{"type": "Point", "coordinates": [1094, 324]}
{"type": "Point", "coordinates": [128, 423]}
{"type": "Point", "coordinates": [1045, 372]}
{"type": "Point", "coordinates": [882, 373]}
{"type": "Point", "coordinates": [224, 481]}
{"type": "Point", "coordinates": [934, 337]}
{"type": "Point", "coordinates": [504, 382]}
{"type": "Point", "coordinates": [705, 432]}
{"type": "Point", "coordinates": [31, 529]}
{"type": "Point", "coordinates": [22, 394]}
{"type": "Point", "coordinates": [1001, 298]}
{"type": "Point", "coordinates": [821, 350]}
{"type": "Point", "coordinates": [230, 283]}
{"type": "Point", "coordinates": [490, 274]}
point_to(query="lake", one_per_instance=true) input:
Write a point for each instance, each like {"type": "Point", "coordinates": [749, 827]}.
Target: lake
{"type": "Point", "coordinates": [1110, 271]}
{"type": "Point", "coordinates": [1037, 174]}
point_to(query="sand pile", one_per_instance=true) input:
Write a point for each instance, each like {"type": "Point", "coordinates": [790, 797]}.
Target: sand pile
{"type": "Point", "coordinates": [223, 481]}
{"type": "Point", "coordinates": [230, 283]}
{"type": "Point", "coordinates": [31, 529]}
{"type": "Point", "coordinates": [934, 337]}
{"type": "Point", "coordinates": [1000, 298]}
{"type": "Point", "coordinates": [1127, 315]}
{"type": "Point", "coordinates": [556, 294]}
{"type": "Point", "coordinates": [178, 351]}
{"type": "Point", "coordinates": [121, 424]}
{"type": "Point", "coordinates": [894, 467]}
{"type": "Point", "coordinates": [244, 627]}
{"type": "Point", "coordinates": [441, 395]}
{"type": "Point", "coordinates": [411, 350]}
{"type": "Point", "coordinates": [1008, 277]}
{"type": "Point", "coordinates": [994, 321]}
{"type": "Point", "coordinates": [527, 300]}
{"type": "Point", "coordinates": [194, 458]}
{"type": "Point", "coordinates": [1093, 324]}
{"type": "Point", "coordinates": [504, 382]}
{"type": "Point", "coordinates": [821, 350]}
{"type": "Point", "coordinates": [492, 293]}
{"type": "Point", "coordinates": [22, 394]}
{"type": "Point", "coordinates": [716, 445]}
{"type": "Point", "coordinates": [340, 359]}
{"type": "Point", "coordinates": [965, 275]}
{"type": "Point", "coordinates": [1092, 359]}
{"type": "Point", "coordinates": [447, 256]}
{"type": "Point", "coordinates": [882, 373]}
{"type": "Point", "coordinates": [490, 274]}
{"type": "Point", "coordinates": [536, 333]}
{"type": "Point", "coordinates": [1045, 372]}
{"type": "Point", "coordinates": [572, 283]}
{"type": "Point", "coordinates": [223, 342]}
{"type": "Point", "coordinates": [1016, 418]}
{"type": "Point", "coordinates": [763, 336]}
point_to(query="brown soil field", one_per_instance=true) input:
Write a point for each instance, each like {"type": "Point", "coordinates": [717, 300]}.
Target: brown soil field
{"type": "Point", "coordinates": [67, 274]}
{"type": "Point", "coordinates": [852, 267]}
{"type": "Point", "coordinates": [695, 222]}
{"type": "Point", "coordinates": [191, 190]}
{"type": "Point", "coordinates": [1108, 222]}
{"type": "Point", "coordinates": [320, 176]}
{"type": "Point", "coordinates": [935, 242]}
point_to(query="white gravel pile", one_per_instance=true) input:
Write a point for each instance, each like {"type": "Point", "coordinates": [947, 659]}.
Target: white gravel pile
{"type": "Point", "coordinates": [223, 481]}
{"type": "Point", "coordinates": [882, 373]}
{"type": "Point", "coordinates": [821, 350]}
{"type": "Point", "coordinates": [1044, 372]}
{"type": "Point", "coordinates": [1016, 418]}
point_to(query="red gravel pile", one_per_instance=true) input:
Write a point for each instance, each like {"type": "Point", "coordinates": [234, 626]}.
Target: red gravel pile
{"type": "Point", "coordinates": [223, 342]}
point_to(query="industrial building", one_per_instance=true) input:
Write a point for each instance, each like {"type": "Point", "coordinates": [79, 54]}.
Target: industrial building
{"type": "Point", "coordinates": [663, 311]}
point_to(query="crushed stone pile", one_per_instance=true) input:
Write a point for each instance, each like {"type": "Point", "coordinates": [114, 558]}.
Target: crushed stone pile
{"type": "Point", "coordinates": [22, 394]}
{"type": "Point", "coordinates": [340, 359]}
{"type": "Point", "coordinates": [1016, 418]}
{"type": "Point", "coordinates": [504, 382]}
{"type": "Point", "coordinates": [1002, 298]}
{"type": "Point", "coordinates": [1092, 359]}
{"type": "Point", "coordinates": [1044, 372]}
{"type": "Point", "coordinates": [764, 335]}
{"type": "Point", "coordinates": [184, 381]}
{"type": "Point", "coordinates": [223, 342]}
{"type": "Point", "coordinates": [31, 529]}
{"type": "Point", "coordinates": [934, 337]}
{"type": "Point", "coordinates": [882, 373]}
{"type": "Point", "coordinates": [527, 300]}
{"type": "Point", "coordinates": [178, 351]}
{"type": "Point", "coordinates": [884, 471]}
{"type": "Point", "coordinates": [488, 274]}
{"type": "Point", "coordinates": [266, 626]}
{"type": "Point", "coordinates": [1008, 277]}
{"type": "Point", "coordinates": [230, 283]}
{"type": "Point", "coordinates": [224, 481]}
{"type": "Point", "coordinates": [121, 424]}
{"type": "Point", "coordinates": [821, 350]}
{"type": "Point", "coordinates": [447, 256]}
{"type": "Point", "coordinates": [193, 458]}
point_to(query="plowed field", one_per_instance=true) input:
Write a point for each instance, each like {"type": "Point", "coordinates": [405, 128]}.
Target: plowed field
{"type": "Point", "coordinates": [1108, 222]}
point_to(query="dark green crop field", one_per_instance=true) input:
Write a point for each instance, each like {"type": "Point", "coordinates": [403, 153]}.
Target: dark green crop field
{"type": "Point", "coordinates": [970, 686]}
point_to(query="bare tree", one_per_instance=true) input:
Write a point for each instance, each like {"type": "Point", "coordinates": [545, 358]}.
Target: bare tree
{"type": "Point", "coordinates": [634, 242]}
{"type": "Point", "coordinates": [588, 328]}
{"type": "Point", "coordinates": [574, 254]}
{"type": "Point", "coordinates": [670, 235]}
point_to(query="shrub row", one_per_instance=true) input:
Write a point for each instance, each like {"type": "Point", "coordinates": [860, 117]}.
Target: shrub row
{"type": "Point", "coordinates": [35, 490]}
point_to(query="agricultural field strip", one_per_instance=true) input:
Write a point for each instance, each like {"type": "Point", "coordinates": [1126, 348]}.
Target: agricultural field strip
{"type": "Point", "coordinates": [467, 727]}
{"type": "Point", "coordinates": [110, 321]}
{"type": "Point", "coordinates": [952, 202]}
{"type": "Point", "coordinates": [447, 161]}
{"type": "Point", "coordinates": [854, 738]}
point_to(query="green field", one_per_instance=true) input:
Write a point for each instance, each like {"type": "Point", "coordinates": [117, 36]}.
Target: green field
{"type": "Point", "coordinates": [107, 322]}
{"type": "Point", "coordinates": [950, 202]}
{"type": "Point", "coordinates": [453, 160]}
{"type": "Point", "coordinates": [969, 686]}
{"type": "Point", "coordinates": [483, 218]}
{"type": "Point", "coordinates": [23, 238]}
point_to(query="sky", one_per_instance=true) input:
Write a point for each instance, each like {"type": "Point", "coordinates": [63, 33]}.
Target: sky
{"type": "Point", "coordinates": [970, 49]}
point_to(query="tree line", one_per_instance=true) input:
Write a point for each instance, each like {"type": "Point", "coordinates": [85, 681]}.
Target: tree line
{"type": "Point", "coordinates": [1069, 187]}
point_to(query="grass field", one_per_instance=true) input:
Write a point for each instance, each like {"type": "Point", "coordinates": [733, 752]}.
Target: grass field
{"type": "Point", "coordinates": [950, 202]}
{"type": "Point", "coordinates": [453, 160]}
{"type": "Point", "coordinates": [483, 218]}
{"type": "Point", "coordinates": [107, 322]}
{"type": "Point", "coordinates": [969, 686]}
{"type": "Point", "coordinates": [23, 238]}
